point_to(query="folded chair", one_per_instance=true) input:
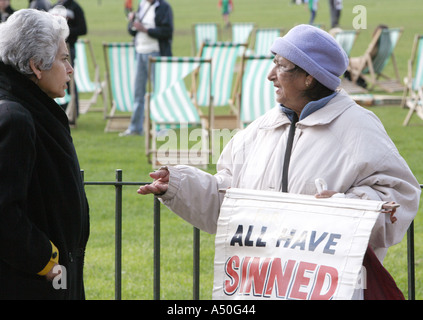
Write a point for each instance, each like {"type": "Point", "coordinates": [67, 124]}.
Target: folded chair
{"type": "Point", "coordinates": [120, 62]}
{"type": "Point", "coordinates": [170, 106]}
{"type": "Point", "coordinates": [371, 65]}
{"type": "Point", "coordinates": [257, 94]}
{"type": "Point", "coordinates": [204, 32]}
{"type": "Point", "coordinates": [223, 56]}
{"type": "Point", "coordinates": [82, 76]}
{"type": "Point", "coordinates": [263, 39]}
{"type": "Point", "coordinates": [413, 91]}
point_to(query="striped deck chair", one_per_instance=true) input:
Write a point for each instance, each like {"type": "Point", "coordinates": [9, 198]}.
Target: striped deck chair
{"type": "Point", "coordinates": [256, 94]}
{"type": "Point", "coordinates": [346, 39]}
{"type": "Point", "coordinates": [241, 32]}
{"type": "Point", "coordinates": [413, 91]}
{"type": "Point", "coordinates": [263, 39]}
{"type": "Point", "coordinates": [371, 66]}
{"type": "Point", "coordinates": [223, 56]}
{"type": "Point", "coordinates": [204, 32]}
{"type": "Point", "coordinates": [82, 74]}
{"type": "Point", "coordinates": [120, 62]}
{"type": "Point", "coordinates": [170, 106]}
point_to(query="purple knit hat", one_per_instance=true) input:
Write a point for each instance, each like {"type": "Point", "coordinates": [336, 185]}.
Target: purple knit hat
{"type": "Point", "coordinates": [315, 51]}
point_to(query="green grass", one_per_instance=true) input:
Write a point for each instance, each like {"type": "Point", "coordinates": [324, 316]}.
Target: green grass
{"type": "Point", "coordinates": [102, 153]}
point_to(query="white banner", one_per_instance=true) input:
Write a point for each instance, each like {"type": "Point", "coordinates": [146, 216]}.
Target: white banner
{"type": "Point", "coordinates": [285, 246]}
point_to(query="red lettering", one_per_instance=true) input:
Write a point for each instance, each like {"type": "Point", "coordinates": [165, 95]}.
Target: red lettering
{"type": "Point", "coordinates": [281, 277]}
{"type": "Point", "coordinates": [230, 286]}
{"type": "Point", "coordinates": [257, 276]}
{"type": "Point", "coordinates": [301, 280]}
{"type": "Point", "coordinates": [244, 268]}
{"type": "Point", "coordinates": [332, 282]}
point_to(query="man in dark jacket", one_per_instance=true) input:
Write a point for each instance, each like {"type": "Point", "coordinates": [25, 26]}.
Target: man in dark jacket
{"type": "Point", "coordinates": [152, 26]}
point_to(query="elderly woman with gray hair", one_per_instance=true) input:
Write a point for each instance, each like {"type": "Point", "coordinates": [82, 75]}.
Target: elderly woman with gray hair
{"type": "Point", "coordinates": [44, 223]}
{"type": "Point", "coordinates": [317, 131]}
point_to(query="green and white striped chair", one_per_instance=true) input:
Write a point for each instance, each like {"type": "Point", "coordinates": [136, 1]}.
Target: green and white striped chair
{"type": "Point", "coordinates": [204, 32]}
{"type": "Point", "coordinates": [346, 39]}
{"type": "Point", "coordinates": [223, 56]}
{"type": "Point", "coordinates": [264, 38]}
{"type": "Point", "coordinates": [82, 76]}
{"type": "Point", "coordinates": [257, 94]}
{"type": "Point", "coordinates": [372, 67]}
{"type": "Point", "coordinates": [413, 92]}
{"type": "Point", "coordinates": [120, 62]}
{"type": "Point", "coordinates": [170, 106]}
{"type": "Point", "coordinates": [241, 32]}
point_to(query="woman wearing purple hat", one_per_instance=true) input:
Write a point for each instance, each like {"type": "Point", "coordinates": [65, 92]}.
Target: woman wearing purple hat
{"type": "Point", "coordinates": [317, 131]}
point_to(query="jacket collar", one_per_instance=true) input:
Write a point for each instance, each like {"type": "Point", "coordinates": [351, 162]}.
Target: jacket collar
{"type": "Point", "coordinates": [323, 115]}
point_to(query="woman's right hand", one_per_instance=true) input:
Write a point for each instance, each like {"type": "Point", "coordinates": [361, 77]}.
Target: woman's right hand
{"type": "Point", "coordinates": [159, 185]}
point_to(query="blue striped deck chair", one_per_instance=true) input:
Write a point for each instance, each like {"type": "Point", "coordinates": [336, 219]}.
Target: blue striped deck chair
{"type": "Point", "coordinates": [83, 80]}
{"type": "Point", "coordinates": [257, 94]}
{"type": "Point", "coordinates": [120, 62]}
{"type": "Point", "coordinates": [170, 106]}
{"type": "Point", "coordinates": [371, 66]}
{"type": "Point", "coordinates": [346, 39]}
{"type": "Point", "coordinates": [413, 91]}
{"type": "Point", "coordinates": [223, 56]}
{"type": "Point", "coordinates": [263, 39]}
{"type": "Point", "coordinates": [204, 32]}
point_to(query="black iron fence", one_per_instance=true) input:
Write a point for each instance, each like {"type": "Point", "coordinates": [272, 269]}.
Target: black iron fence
{"type": "Point", "coordinates": [118, 184]}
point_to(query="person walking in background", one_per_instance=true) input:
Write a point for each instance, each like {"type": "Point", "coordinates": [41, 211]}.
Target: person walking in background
{"type": "Point", "coordinates": [312, 5]}
{"type": "Point", "coordinates": [5, 10]}
{"type": "Point", "coordinates": [44, 214]}
{"type": "Point", "coordinates": [128, 7]}
{"type": "Point", "coordinates": [335, 7]}
{"type": "Point", "coordinates": [227, 7]}
{"type": "Point", "coordinates": [152, 27]}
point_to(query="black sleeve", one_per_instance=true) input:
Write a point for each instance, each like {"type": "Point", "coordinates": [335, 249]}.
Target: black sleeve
{"type": "Point", "coordinates": [23, 245]}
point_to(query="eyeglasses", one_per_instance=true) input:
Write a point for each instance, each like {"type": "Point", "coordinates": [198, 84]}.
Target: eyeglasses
{"type": "Point", "coordinates": [290, 68]}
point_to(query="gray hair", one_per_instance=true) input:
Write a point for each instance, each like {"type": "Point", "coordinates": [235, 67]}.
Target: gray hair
{"type": "Point", "coordinates": [31, 34]}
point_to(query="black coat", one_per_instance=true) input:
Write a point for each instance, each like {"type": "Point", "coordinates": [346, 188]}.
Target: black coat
{"type": "Point", "coordinates": [42, 196]}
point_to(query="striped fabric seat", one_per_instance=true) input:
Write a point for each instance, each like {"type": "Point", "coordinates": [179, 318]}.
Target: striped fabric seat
{"type": "Point", "coordinates": [223, 56]}
{"type": "Point", "coordinates": [169, 104]}
{"type": "Point", "coordinates": [264, 38]}
{"type": "Point", "coordinates": [371, 67]}
{"type": "Point", "coordinates": [204, 32]}
{"type": "Point", "coordinates": [120, 61]}
{"type": "Point", "coordinates": [241, 31]}
{"type": "Point", "coordinates": [257, 94]}
{"type": "Point", "coordinates": [346, 39]}
{"type": "Point", "coordinates": [83, 80]}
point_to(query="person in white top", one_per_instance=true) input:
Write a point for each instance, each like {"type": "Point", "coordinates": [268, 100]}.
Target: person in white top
{"type": "Point", "coordinates": [152, 26]}
{"type": "Point", "coordinates": [331, 137]}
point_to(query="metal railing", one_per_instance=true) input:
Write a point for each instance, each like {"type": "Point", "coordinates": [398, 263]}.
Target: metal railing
{"type": "Point", "coordinates": [118, 184]}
